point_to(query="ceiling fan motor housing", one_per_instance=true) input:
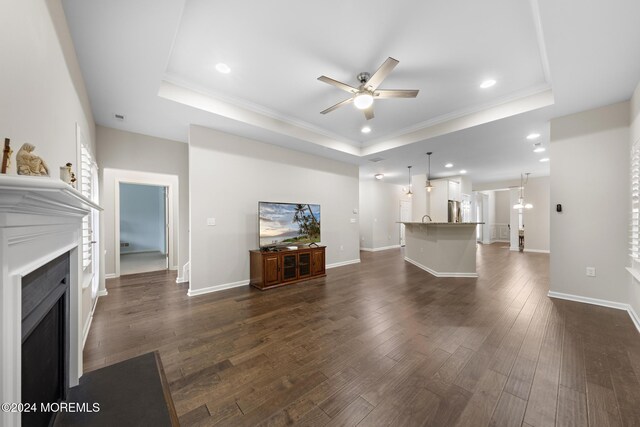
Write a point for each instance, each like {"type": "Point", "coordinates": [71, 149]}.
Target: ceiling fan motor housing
{"type": "Point", "coordinates": [363, 77]}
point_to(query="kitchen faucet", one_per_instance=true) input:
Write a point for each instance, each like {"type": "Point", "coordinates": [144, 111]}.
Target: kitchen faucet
{"type": "Point", "coordinates": [427, 216]}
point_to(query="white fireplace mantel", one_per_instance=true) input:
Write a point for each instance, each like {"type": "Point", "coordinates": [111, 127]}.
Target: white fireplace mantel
{"type": "Point", "coordinates": [40, 219]}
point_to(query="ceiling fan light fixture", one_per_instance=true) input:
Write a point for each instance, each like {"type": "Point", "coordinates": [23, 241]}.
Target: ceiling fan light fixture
{"type": "Point", "coordinates": [363, 100]}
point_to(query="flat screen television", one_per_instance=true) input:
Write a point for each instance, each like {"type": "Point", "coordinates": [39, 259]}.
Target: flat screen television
{"type": "Point", "coordinates": [282, 224]}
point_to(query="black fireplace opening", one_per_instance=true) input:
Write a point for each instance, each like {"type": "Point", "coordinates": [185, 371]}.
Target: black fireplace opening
{"type": "Point", "coordinates": [45, 340]}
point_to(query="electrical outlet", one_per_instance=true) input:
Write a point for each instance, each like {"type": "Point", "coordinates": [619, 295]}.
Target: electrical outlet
{"type": "Point", "coordinates": [591, 271]}
{"type": "Point", "coordinates": [211, 221]}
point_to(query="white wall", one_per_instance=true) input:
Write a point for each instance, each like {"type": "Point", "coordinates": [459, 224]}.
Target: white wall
{"type": "Point", "coordinates": [420, 202]}
{"type": "Point", "coordinates": [121, 150]}
{"type": "Point", "coordinates": [379, 214]}
{"type": "Point", "coordinates": [590, 178]}
{"type": "Point", "coordinates": [537, 220]}
{"type": "Point", "coordinates": [42, 91]}
{"type": "Point", "coordinates": [229, 175]}
{"type": "Point", "coordinates": [502, 207]}
{"type": "Point", "coordinates": [634, 285]}
{"type": "Point", "coordinates": [142, 218]}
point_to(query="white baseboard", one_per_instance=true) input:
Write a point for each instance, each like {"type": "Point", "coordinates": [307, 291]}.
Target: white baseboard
{"type": "Point", "coordinates": [180, 279]}
{"type": "Point", "coordinates": [216, 288]}
{"type": "Point", "coordinates": [501, 241]}
{"type": "Point", "coordinates": [383, 248]}
{"type": "Point", "coordinates": [185, 273]}
{"type": "Point", "coordinates": [87, 326]}
{"type": "Point", "coordinates": [601, 302]}
{"type": "Point", "coordinates": [110, 276]}
{"type": "Point", "coordinates": [537, 251]}
{"type": "Point", "coordinates": [437, 273]}
{"type": "Point", "coordinates": [342, 263]}
{"type": "Point", "coordinates": [103, 293]}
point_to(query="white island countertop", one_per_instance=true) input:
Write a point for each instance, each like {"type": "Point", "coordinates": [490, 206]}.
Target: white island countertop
{"type": "Point", "coordinates": [438, 223]}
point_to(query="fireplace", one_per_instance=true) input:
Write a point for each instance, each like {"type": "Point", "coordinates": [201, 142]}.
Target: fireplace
{"type": "Point", "coordinates": [41, 294]}
{"type": "Point", "coordinates": [45, 343]}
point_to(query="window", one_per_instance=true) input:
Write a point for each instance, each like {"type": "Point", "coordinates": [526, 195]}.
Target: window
{"type": "Point", "coordinates": [634, 241]}
{"type": "Point", "coordinates": [86, 188]}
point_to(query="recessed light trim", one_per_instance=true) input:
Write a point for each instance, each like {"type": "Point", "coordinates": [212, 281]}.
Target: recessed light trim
{"type": "Point", "coordinates": [532, 136]}
{"type": "Point", "coordinates": [544, 160]}
{"type": "Point", "coordinates": [488, 83]}
{"type": "Point", "coordinates": [448, 165]}
{"type": "Point", "coordinates": [365, 129]}
{"type": "Point", "coordinates": [223, 68]}
{"type": "Point", "coordinates": [463, 171]}
{"type": "Point", "coordinates": [379, 175]}
{"type": "Point", "coordinates": [539, 150]}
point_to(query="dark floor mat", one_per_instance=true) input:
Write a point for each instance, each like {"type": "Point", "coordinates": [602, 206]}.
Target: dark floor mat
{"type": "Point", "coordinates": [130, 393]}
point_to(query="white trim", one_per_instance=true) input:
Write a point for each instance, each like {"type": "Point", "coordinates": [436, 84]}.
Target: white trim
{"type": "Point", "coordinates": [601, 302]}
{"type": "Point", "coordinates": [437, 273]}
{"type": "Point", "coordinates": [181, 279]}
{"type": "Point", "coordinates": [171, 182]}
{"type": "Point", "coordinates": [110, 276]}
{"type": "Point", "coordinates": [538, 251]}
{"type": "Point", "coordinates": [342, 263]}
{"type": "Point", "coordinates": [103, 293]}
{"type": "Point", "coordinates": [383, 248]}
{"type": "Point", "coordinates": [496, 241]}
{"type": "Point", "coordinates": [216, 288]}
{"type": "Point", "coordinates": [634, 272]}
{"type": "Point", "coordinates": [87, 326]}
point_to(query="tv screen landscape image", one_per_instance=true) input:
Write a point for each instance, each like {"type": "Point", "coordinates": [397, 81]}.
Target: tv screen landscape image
{"type": "Point", "coordinates": [288, 223]}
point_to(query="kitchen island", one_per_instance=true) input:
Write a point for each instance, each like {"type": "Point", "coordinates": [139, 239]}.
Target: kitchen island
{"type": "Point", "coordinates": [444, 249]}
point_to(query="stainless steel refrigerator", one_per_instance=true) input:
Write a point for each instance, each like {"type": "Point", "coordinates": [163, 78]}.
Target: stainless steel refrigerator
{"type": "Point", "coordinates": [454, 213]}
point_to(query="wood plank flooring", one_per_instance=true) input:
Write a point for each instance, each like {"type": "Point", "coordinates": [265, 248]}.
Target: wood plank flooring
{"type": "Point", "coordinates": [380, 343]}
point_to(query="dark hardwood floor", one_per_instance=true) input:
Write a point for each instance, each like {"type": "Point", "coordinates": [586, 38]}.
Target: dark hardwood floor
{"type": "Point", "coordinates": [381, 343]}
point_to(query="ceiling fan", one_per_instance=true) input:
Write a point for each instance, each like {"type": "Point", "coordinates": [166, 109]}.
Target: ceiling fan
{"type": "Point", "coordinates": [364, 94]}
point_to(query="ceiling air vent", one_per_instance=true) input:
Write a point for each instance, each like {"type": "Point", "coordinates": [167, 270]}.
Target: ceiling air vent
{"type": "Point", "coordinates": [376, 159]}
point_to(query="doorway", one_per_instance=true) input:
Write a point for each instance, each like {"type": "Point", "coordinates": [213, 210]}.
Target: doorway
{"type": "Point", "coordinates": [144, 228]}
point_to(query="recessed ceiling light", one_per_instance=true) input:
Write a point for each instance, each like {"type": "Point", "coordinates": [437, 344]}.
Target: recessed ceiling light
{"type": "Point", "coordinates": [379, 175]}
{"type": "Point", "coordinates": [539, 150]}
{"type": "Point", "coordinates": [546, 159]}
{"type": "Point", "coordinates": [463, 171]}
{"type": "Point", "coordinates": [487, 83]}
{"type": "Point", "coordinates": [365, 129]}
{"type": "Point", "coordinates": [533, 136]}
{"type": "Point", "coordinates": [448, 165]}
{"type": "Point", "coordinates": [223, 68]}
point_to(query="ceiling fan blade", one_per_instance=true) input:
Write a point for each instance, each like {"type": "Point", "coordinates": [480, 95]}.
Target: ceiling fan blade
{"type": "Point", "coordinates": [381, 73]}
{"type": "Point", "coordinates": [393, 93]}
{"type": "Point", "coordinates": [338, 84]}
{"type": "Point", "coordinates": [338, 105]}
{"type": "Point", "coordinates": [368, 113]}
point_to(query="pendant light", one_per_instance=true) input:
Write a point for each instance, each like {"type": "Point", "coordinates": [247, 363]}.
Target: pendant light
{"type": "Point", "coordinates": [524, 179]}
{"type": "Point", "coordinates": [409, 193]}
{"type": "Point", "coordinates": [428, 186]}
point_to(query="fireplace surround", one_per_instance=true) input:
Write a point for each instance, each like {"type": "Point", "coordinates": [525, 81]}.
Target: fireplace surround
{"type": "Point", "coordinates": [40, 221]}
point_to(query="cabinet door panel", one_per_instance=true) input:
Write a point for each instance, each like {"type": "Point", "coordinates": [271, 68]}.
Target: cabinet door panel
{"type": "Point", "coordinates": [317, 262]}
{"type": "Point", "coordinates": [289, 267]}
{"type": "Point", "coordinates": [304, 264]}
{"type": "Point", "coordinates": [271, 270]}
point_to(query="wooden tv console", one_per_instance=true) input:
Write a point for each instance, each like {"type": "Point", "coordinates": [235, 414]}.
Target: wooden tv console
{"type": "Point", "coordinates": [287, 266]}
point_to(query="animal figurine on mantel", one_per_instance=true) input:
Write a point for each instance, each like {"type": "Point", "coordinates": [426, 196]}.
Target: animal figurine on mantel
{"type": "Point", "coordinates": [30, 164]}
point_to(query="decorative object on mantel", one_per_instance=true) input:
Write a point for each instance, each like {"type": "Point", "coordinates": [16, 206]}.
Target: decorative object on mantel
{"type": "Point", "coordinates": [521, 203]}
{"type": "Point", "coordinates": [65, 173]}
{"type": "Point", "coordinates": [73, 180]}
{"type": "Point", "coordinates": [30, 164]}
{"type": "Point", "coordinates": [6, 156]}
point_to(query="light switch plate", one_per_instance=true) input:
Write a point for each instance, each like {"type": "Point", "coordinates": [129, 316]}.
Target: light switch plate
{"type": "Point", "coordinates": [211, 221]}
{"type": "Point", "coordinates": [353, 220]}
